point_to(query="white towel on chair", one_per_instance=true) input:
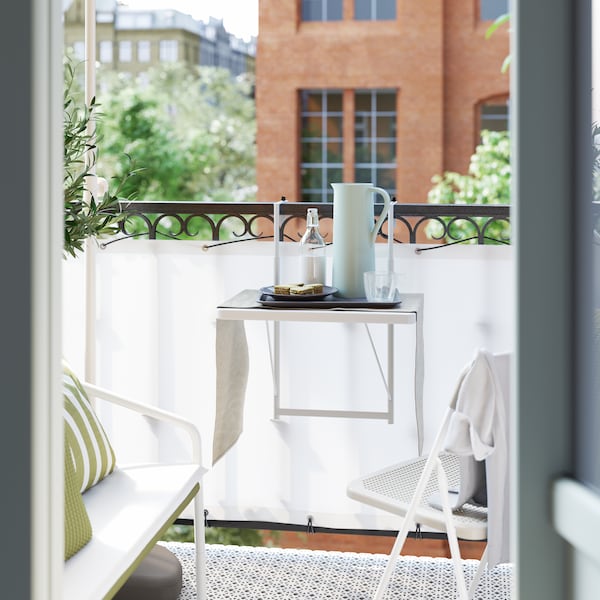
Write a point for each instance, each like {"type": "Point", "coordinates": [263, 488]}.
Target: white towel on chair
{"type": "Point", "coordinates": [478, 432]}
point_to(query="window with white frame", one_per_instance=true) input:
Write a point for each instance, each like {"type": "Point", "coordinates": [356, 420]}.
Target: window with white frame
{"type": "Point", "coordinates": [321, 10]}
{"type": "Point", "coordinates": [321, 144]}
{"type": "Point", "coordinates": [125, 51]}
{"type": "Point", "coordinates": [374, 10]}
{"type": "Point", "coordinates": [168, 50]}
{"type": "Point", "coordinates": [105, 53]}
{"type": "Point", "coordinates": [143, 51]}
{"type": "Point", "coordinates": [489, 10]}
{"type": "Point", "coordinates": [375, 127]}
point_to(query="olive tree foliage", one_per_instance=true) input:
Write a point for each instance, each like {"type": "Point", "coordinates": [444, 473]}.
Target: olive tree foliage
{"type": "Point", "coordinates": [87, 213]}
{"type": "Point", "coordinates": [190, 132]}
{"type": "Point", "coordinates": [486, 182]}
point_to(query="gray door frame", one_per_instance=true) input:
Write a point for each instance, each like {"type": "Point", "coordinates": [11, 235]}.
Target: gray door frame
{"type": "Point", "coordinates": [30, 262]}
{"type": "Point", "coordinates": [551, 143]}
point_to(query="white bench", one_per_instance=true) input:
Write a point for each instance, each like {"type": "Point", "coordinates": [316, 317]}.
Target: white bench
{"type": "Point", "coordinates": [129, 511]}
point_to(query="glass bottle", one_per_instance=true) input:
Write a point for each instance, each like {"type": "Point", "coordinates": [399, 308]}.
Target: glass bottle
{"type": "Point", "coordinates": [312, 251]}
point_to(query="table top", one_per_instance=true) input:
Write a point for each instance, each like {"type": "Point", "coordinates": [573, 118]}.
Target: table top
{"type": "Point", "coordinates": [245, 306]}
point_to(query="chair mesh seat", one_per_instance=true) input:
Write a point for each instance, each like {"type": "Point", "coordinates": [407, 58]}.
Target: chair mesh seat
{"type": "Point", "coordinates": [392, 489]}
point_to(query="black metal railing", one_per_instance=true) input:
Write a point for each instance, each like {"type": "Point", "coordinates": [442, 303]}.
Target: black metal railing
{"type": "Point", "coordinates": [241, 220]}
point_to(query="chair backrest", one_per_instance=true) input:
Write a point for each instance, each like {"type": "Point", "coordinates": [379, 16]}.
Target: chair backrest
{"type": "Point", "coordinates": [479, 429]}
{"type": "Point", "coordinates": [478, 413]}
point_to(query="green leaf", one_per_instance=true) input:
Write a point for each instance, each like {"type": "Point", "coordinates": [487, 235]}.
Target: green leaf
{"type": "Point", "coordinates": [497, 23]}
{"type": "Point", "coordinates": [506, 64]}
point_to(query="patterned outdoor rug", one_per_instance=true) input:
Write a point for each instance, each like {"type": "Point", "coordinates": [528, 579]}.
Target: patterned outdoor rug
{"type": "Point", "coordinates": [243, 573]}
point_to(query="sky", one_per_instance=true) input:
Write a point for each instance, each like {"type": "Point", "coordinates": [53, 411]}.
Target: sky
{"type": "Point", "coordinates": [240, 17]}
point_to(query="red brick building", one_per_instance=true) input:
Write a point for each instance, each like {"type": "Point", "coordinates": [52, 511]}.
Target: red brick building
{"type": "Point", "coordinates": [387, 91]}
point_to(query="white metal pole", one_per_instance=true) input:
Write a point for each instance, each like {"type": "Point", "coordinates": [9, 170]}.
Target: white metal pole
{"type": "Point", "coordinates": [390, 248]}
{"type": "Point", "coordinates": [91, 186]}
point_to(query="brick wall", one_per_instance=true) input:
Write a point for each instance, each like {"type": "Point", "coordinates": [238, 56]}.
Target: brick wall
{"type": "Point", "coordinates": [434, 54]}
{"type": "Point", "coordinates": [373, 544]}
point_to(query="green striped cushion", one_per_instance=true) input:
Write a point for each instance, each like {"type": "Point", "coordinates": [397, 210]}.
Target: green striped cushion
{"type": "Point", "coordinates": [92, 451]}
{"type": "Point", "coordinates": [78, 529]}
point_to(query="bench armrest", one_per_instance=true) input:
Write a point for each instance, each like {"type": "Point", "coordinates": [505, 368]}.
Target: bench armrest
{"type": "Point", "coordinates": [154, 413]}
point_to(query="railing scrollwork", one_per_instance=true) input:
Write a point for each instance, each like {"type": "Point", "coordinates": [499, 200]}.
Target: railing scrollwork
{"type": "Point", "coordinates": [438, 223]}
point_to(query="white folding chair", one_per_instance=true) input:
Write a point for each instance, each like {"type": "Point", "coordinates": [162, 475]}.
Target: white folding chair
{"type": "Point", "coordinates": [475, 426]}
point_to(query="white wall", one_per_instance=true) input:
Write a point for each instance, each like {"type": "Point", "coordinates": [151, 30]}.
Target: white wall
{"type": "Point", "coordinates": [155, 341]}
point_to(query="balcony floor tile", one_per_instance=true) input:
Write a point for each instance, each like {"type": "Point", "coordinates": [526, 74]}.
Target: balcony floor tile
{"type": "Point", "coordinates": [243, 573]}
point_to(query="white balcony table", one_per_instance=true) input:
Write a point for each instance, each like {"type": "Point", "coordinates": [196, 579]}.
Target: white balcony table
{"type": "Point", "coordinates": [232, 356]}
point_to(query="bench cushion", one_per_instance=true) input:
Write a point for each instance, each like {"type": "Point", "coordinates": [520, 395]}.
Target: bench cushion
{"type": "Point", "coordinates": [92, 452]}
{"type": "Point", "coordinates": [78, 529]}
{"type": "Point", "coordinates": [129, 511]}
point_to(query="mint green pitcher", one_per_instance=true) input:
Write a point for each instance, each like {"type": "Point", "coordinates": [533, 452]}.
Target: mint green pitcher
{"type": "Point", "coordinates": [354, 233]}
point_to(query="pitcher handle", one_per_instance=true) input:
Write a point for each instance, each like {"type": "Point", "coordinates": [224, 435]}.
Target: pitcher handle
{"type": "Point", "coordinates": [386, 205]}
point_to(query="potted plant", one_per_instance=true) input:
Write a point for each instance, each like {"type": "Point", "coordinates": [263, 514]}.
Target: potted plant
{"type": "Point", "coordinates": [92, 214]}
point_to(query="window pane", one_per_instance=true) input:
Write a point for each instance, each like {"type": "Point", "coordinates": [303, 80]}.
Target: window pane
{"type": "Point", "coordinates": [374, 10]}
{"type": "Point", "coordinates": [334, 175]}
{"type": "Point", "coordinates": [168, 50]}
{"type": "Point", "coordinates": [312, 102]}
{"type": "Point", "coordinates": [334, 10]}
{"type": "Point", "coordinates": [494, 117]}
{"type": "Point", "coordinates": [363, 102]}
{"type": "Point", "coordinates": [312, 10]}
{"type": "Point", "coordinates": [334, 102]}
{"type": "Point", "coordinates": [312, 152]}
{"type": "Point", "coordinates": [321, 10]}
{"type": "Point", "coordinates": [362, 175]}
{"type": "Point", "coordinates": [386, 101]}
{"type": "Point", "coordinates": [362, 126]}
{"type": "Point", "coordinates": [334, 127]}
{"type": "Point", "coordinates": [386, 126]}
{"type": "Point", "coordinates": [362, 152]}
{"type": "Point", "coordinates": [362, 10]}
{"type": "Point", "coordinates": [386, 10]}
{"type": "Point", "coordinates": [312, 127]}
{"type": "Point", "coordinates": [312, 178]}
{"type": "Point", "coordinates": [492, 9]}
{"type": "Point", "coordinates": [125, 51]}
{"type": "Point", "coordinates": [386, 152]}
{"type": "Point", "coordinates": [143, 50]}
{"type": "Point", "coordinates": [386, 178]}
{"type": "Point", "coordinates": [106, 54]}
{"type": "Point", "coordinates": [334, 152]}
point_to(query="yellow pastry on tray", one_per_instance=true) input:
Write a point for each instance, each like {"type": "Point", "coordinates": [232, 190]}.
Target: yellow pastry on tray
{"type": "Point", "coordinates": [300, 290]}
{"type": "Point", "coordinates": [297, 289]}
{"type": "Point", "coordinates": [307, 289]}
{"type": "Point", "coordinates": [282, 289]}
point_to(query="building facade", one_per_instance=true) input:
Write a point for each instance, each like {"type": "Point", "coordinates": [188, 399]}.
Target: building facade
{"type": "Point", "coordinates": [391, 92]}
{"type": "Point", "coordinates": [132, 41]}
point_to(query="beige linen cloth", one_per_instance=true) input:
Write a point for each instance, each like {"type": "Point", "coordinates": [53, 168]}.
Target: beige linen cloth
{"type": "Point", "coordinates": [231, 349]}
